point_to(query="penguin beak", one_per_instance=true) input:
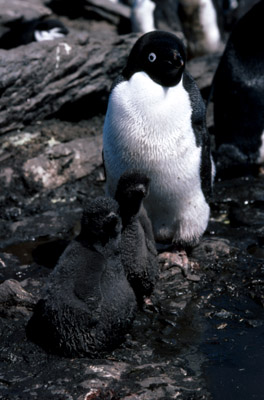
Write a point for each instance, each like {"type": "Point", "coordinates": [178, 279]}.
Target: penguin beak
{"type": "Point", "coordinates": [113, 224]}
{"type": "Point", "coordinates": [175, 60]}
{"type": "Point", "coordinates": [141, 189]}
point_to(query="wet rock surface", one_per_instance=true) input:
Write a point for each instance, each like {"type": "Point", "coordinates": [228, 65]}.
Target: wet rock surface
{"type": "Point", "coordinates": [202, 334]}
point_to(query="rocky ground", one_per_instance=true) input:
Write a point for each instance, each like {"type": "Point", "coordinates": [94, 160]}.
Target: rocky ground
{"type": "Point", "coordinates": [203, 335]}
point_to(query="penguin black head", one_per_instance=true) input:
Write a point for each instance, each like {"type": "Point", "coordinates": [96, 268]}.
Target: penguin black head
{"type": "Point", "coordinates": [100, 221]}
{"type": "Point", "coordinates": [161, 55]}
{"type": "Point", "coordinates": [132, 187]}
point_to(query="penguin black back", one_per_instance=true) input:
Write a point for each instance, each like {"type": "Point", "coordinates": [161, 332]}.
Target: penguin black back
{"type": "Point", "coordinates": [238, 92]}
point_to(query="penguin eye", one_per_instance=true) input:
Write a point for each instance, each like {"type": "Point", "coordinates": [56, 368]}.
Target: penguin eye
{"type": "Point", "coordinates": [152, 57]}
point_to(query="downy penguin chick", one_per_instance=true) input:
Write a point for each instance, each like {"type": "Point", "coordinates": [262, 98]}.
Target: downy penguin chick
{"type": "Point", "coordinates": [156, 123]}
{"type": "Point", "coordinates": [138, 251]}
{"type": "Point", "coordinates": [88, 304]}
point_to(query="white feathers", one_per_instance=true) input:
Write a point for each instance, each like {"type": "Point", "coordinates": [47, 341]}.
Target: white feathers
{"type": "Point", "coordinates": [149, 127]}
{"type": "Point", "coordinates": [260, 159]}
{"type": "Point", "coordinates": [208, 20]}
{"type": "Point", "coordinates": [50, 34]}
{"type": "Point", "coordinates": [142, 16]}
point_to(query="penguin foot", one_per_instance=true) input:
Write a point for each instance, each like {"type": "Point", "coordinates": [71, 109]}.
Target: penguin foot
{"type": "Point", "coordinates": [180, 259]}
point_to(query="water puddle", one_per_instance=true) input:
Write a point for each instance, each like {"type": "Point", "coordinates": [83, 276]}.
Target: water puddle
{"type": "Point", "coordinates": [234, 347]}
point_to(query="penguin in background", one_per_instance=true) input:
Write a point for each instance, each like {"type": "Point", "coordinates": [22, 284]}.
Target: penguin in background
{"type": "Point", "coordinates": [88, 305]}
{"type": "Point", "coordinates": [202, 23]}
{"type": "Point", "coordinates": [148, 15]}
{"type": "Point", "coordinates": [142, 16]}
{"type": "Point", "coordinates": [138, 250]}
{"type": "Point", "coordinates": [156, 123]}
{"type": "Point", "coordinates": [238, 95]}
{"type": "Point", "coordinates": [36, 30]}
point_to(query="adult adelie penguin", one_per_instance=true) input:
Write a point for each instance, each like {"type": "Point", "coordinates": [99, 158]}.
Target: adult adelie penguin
{"type": "Point", "coordinates": [155, 122]}
{"type": "Point", "coordinates": [238, 93]}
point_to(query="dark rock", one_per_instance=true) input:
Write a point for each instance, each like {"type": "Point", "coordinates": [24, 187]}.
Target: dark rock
{"type": "Point", "coordinates": [246, 216]}
{"type": "Point", "coordinates": [42, 237]}
{"type": "Point", "coordinates": [212, 247]}
{"type": "Point", "coordinates": [14, 299]}
{"type": "Point", "coordinates": [108, 10]}
{"type": "Point", "coordinates": [166, 15]}
{"type": "Point", "coordinates": [114, 8]}
{"type": "Point", "coordinates": [13, 10]}
{"type": "Point", "coordinates": [74, 71]}
{"type": "Point", "coordinates": [202, 69]}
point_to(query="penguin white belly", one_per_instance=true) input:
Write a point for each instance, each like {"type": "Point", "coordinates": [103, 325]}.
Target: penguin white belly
{"type": "Point", "coordinates": [208, 20]}
{"type": "Point", "coordinates": [260, 159]}
{"type": "Point", "coordinates": [142, 16]}
{"type": "Point", "coordinates": [148, 127]}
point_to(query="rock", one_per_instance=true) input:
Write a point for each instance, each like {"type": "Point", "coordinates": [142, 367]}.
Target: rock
{"type": "Point", "coordinates": [111, 11]}
{"type": "Point", "coordinates": [202, 69]}
{"type": "Point", "coordinates": [49, 225]}
{"type": "Point", "coordinates": [6, 176]}
{"type": "Point", "coordinates": [72, 78]}
{"type": "Point", "coordinates": [13, 10]}
{"type": "Point", "coordinates": [64, 162]}
{"type": "Point", "coordinates": [213, 247]}
{"type": "Point", "coordinates": [246, 216]}
{"type": "Point", "coordinates": [8, 264]}
{"type": "Point", "coordinates": [166, 16]}
{"type": "Point", "coordinates": [114, 8]}
{"type": "Point", "coordinates": [41, 238]}
{"type": "Point", "coordinates": [50, 77]}
{"type": "Point", "coordinates": [14, 299]}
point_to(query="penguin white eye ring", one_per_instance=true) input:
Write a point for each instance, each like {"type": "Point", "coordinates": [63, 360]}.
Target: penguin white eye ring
{"type": "Point", "coordinates": [152, 57]}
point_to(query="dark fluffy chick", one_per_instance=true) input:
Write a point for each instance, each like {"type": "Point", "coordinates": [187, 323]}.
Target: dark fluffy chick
{"type": "Point", "coordinates": [88, 304]}
{"type": "Point", "coordinates": [138, 250]}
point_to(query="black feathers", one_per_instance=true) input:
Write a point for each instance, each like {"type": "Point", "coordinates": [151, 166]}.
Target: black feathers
{"type": "Point", "coordinates": [25, 32]}
{"type": "Point", "coordinates": [88, 304]}
{"type": "Point", "coordinates": [138, 249]}
{"type": "Point", "coordinates": [161, 55]}
{"type": "Point", "coordinates": [239, 92]}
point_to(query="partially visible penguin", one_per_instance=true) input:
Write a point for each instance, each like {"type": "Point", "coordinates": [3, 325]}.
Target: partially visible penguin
{"type": "Point", "coordinates": [142, 16]}
{"type": "Point", "coordinates": [36, 30]}
{"type": "Point", "coordinates": [166, 16]}
{"type": "Point", "coordinates": [155, 122]}
{"type": "Point", "coordinates": [238, 93]}
{"type": "Point", "coordinates": [201, 26]}
{"type": "Point", "coordinates": [88, 304]}
{"type": "Point", "coordinates": [138, 250]}
{"type": "Point", "coordinates": [147, 15]}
